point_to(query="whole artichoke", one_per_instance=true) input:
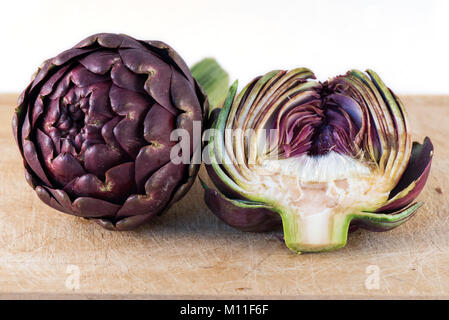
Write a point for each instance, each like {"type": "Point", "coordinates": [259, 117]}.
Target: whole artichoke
{"type": "Point", "coordinates": [318, 156]}
{"type": "Point", "coordinates": [94, 126]}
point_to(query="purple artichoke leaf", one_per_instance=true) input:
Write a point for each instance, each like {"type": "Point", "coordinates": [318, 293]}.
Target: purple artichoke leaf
{"type": "Point", "coordinates": [375, 221]}
{"type": "Point", "coordinates": [219, 183]}
{"type": "Point", "coordinates": [240, 214]}
{"type": "Point", "coordinates": [169, 53]}
{"type": "Point", "coordinates": [414, 177]}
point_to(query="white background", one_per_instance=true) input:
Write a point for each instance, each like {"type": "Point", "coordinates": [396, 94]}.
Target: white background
{"type": "Point", "coordinates": [406, 42]}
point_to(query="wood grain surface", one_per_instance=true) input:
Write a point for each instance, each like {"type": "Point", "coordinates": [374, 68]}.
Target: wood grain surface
{"type": "Point", "coordinates": [189, 253]}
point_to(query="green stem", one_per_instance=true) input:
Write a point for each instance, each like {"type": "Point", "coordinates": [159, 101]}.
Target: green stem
{"type": "Point", "coordinates": [320, 232]}
{"type": "Point", "coordinates": [213, 79]}
{"type": "Point", "coordinates": [329, 230]}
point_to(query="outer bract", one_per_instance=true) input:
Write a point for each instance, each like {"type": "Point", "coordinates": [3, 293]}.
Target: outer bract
{"type": "Point", "coordinates": [94, 128]}
{"type": "Point", "coordinates": [318, 156]}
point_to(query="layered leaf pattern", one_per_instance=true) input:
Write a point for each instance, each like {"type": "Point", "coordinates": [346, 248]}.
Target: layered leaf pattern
{"type": "Point", "coordinates": [94, 128]}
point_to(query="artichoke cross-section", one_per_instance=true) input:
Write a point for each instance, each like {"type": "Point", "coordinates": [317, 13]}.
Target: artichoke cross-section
{"type": "Point", "coordinates": [314, 156]}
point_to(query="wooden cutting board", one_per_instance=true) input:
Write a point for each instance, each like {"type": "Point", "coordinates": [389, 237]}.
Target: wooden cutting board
{"type": "Point", "coordinates": [189, 253]}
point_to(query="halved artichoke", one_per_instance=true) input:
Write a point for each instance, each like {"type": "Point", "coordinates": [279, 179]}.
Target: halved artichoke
{"type": "Point", "coordinates": [316, 156]}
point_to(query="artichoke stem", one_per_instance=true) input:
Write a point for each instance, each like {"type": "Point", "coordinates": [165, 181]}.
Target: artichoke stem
{"type": "Point", "coordinates": [213, 79]}
{"type": "Point", "coordinates": [323, 231]}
